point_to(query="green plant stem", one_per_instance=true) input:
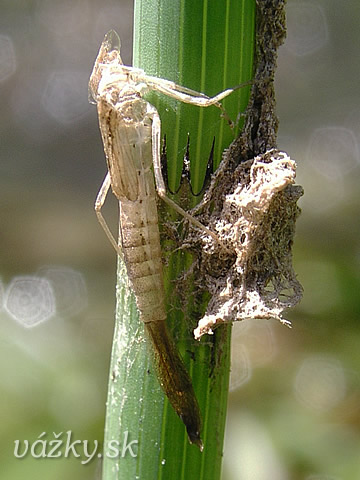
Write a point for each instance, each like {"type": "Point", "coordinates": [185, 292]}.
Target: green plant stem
{"type": "Point", "coordinates": [207, 46]}
{"type": "Point", "coordinates": [135, 400]}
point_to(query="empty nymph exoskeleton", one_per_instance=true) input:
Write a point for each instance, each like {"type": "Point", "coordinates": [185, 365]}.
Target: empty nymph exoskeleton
{"type": "Point", "coordinates": [130, 129]}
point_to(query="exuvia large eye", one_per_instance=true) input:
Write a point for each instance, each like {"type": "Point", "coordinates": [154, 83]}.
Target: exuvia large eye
{"type": "Point", "coordinates": [112, 42]}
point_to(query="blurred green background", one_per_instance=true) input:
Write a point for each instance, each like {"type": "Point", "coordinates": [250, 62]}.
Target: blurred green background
{"type": "Point", "coordinates": [294, 406]}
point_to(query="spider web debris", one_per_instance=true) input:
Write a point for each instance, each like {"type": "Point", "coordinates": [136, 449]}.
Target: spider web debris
{"type": "Point", "coordinates": [253, 276]}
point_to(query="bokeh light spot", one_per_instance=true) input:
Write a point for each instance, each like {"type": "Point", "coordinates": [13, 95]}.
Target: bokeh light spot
{"type": "Point", "coordinates": [65, 96]}
{"type": "Point", "coordinates": [307, 28]}
{"type": "Point", "coordinates": [259, 339]}
{"type": "Point", "coordinates": [333, 151]}
{"type": "Point", "coordinates": [69, 288]}
{"type": "Point", "coordinates": [241, 370]}
{"type": "Point", "coordinates": [30, 300]}
{"type": "Point", "coordinates": [320, 383]}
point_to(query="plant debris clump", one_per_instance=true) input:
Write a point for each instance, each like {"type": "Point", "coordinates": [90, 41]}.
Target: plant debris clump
{"type": "Point", "coordinates": [250, 274]}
